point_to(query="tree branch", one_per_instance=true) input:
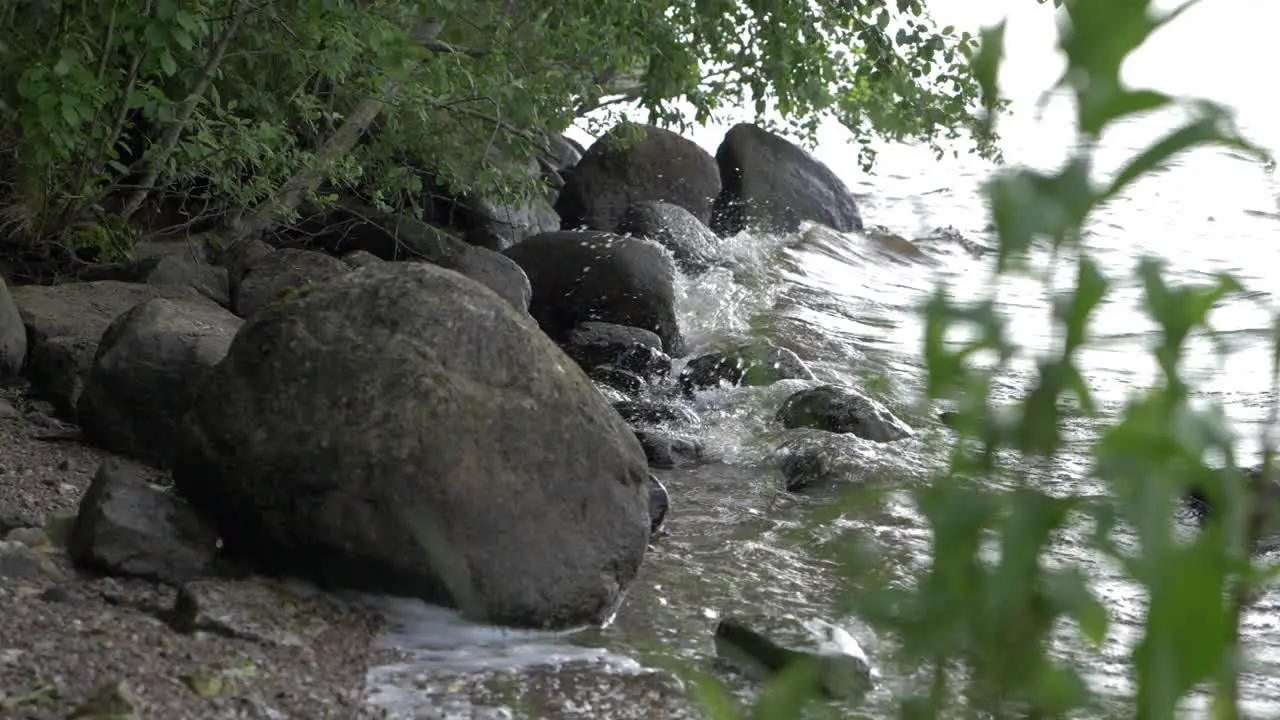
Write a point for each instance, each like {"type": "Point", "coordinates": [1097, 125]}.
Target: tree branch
{"type": "Point", "coordinates": [169, 141]}
{"type": "Point", "coordinates": [335, 147]}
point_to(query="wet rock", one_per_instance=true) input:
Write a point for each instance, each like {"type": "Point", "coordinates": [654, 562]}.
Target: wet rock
{"type": "Point", "coordinates": [1264, 507]}
{"type": "Point", "coordinates": [620, 380]}
{"type": "Point", "coordinates": [13, 335]}
{"type": "Point", "coordinates": [64, 324]}
{"type": "Point", "coordinates": [355, 226]}
{"type": "Point", "coordinates": [659, 503]}
{"type": "Point", "coordinates": [612, 176]}
{"type": "Point", "coordinates": [8, 411]}
{"type": "Point", "coordinates": [633, 349]}
{"type": "Point", "coordinates": [667, 451]}
{"type": "Point", "coordinates": [612, 395]}
{"type": "Point", "coordinates": [654, 412]}
{"type": "Point", "coordinates": [280, 273]}
{"type": "Point", "coordinates": [127, 527]}
{"type": "Point", "coordinates": [254, 609]}
{"type": "Point", "coordinates": [843, 667]}
{"type": "Point", "coordinates": [691, 243]}
{"type": "Point", "coordinates": [361, 258]}
{"type": "Point", "coordinates": [806, 465]}
{"type": "Point", "coordinates": [404, 430]}
{"type": "Point", "coordinates": [751, 364]}
{"type": "Point", "coordinates": [583, 276]}
{"type": "Point", "coordinates": [842, 410]}
{"type": "Point", "coordinates": [148, 364]}
{"type": "Point", "coordinates": [774, 184]}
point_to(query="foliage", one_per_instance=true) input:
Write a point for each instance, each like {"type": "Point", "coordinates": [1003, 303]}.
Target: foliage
{"type": "Point", "coordinates": [108, 105]}
{"type": "Point", "coordinates": [981, 625]}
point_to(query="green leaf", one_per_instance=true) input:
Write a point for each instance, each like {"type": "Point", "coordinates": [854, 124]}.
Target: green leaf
{"type": "Point", "coordinates": [1186, 630]}
{"type": "Point", "coordinates": [69, 114]}
{"type": "Point", "coordinates": [1069, 591]}
{"type": "Point", "coordinates": [986, 66]}
{"type": "Point", "coordinates": [1206, 129]}
{"type": "Point", "coordinates": [167, 63]}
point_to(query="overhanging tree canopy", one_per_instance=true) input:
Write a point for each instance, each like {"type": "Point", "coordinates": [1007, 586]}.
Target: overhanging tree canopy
{"type": "Point", "coordinates": [105, 106]}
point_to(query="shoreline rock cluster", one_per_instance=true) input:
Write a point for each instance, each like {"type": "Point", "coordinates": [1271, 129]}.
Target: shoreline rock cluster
{"type": "Point", "coordinates": [467, 420]}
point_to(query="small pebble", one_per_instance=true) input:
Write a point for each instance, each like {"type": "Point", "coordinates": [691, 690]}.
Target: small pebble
{"type": "Point", "coordinates": [55, 594]}
{"type": "Point", "coordinates": [66, 464]}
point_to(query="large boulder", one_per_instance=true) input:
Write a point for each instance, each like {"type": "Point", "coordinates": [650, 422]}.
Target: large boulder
{"type": "Point", "coordinates": [144, 375]}
{"type": "Point", "coordinates": [582, 276]}
{"type": "Point", "coordinates": [281, 272]}
{"type": "Point", "coordinates": [498, 225]}
{"type": "Point", "coordinates": [13, 335]}
{"type": "Point", "coordinates": [354, 226]}
{"type": "Point", "coordinates": [171, 265]}
{"type": "Point", "coordinates": [691, 243]}
{"type": "Point", "coordinates": [64, 324]}
{"type": "Point", "coordinates": [614, 174]}
{"type": "Point", "coordinates": [775, 185]}
{"type": "Point", "coordinates": [404, 430]}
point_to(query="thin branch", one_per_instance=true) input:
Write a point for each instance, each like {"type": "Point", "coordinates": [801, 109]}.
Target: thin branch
{"type": "Point", "coordinates": [337, 146]}
{"type": "Point", "coordinates": [169, 141]}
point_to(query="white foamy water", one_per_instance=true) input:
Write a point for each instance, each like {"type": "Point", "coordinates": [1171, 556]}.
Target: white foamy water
{"type": "Point", "coordinates": [738, 542]}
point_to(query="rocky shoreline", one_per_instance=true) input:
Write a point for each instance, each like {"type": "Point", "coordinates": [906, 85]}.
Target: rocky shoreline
{"type": "Point", "coordinates": [471, 418]}
{"type": "Point", "coordinates": [75, 643]}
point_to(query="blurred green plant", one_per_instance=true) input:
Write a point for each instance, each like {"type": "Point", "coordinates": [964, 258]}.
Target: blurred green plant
{"type": "Point", "coordinates": [980, 625]}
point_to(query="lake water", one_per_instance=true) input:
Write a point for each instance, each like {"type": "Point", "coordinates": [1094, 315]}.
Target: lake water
{"type": "Point", "coordinates": [852, 313]}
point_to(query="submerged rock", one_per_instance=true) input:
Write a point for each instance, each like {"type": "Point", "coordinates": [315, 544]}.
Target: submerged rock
{"type": "Point", "coordinates": [842, 410]}
{"type": "Point", "coordinates": [653, 412]}
{"type": "Point", "coordinates": [752, 364]}
{"type": "Point", "coordinates": [843, 667]}
{"type": "Point", "coordinates": [635, 350]}
{"type": "Point", "coordinates": [618, 379]}
{"type": "Point", "coordinates": [667, 450]}
{"type": "Point", "coordinates": [1265, 506]}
